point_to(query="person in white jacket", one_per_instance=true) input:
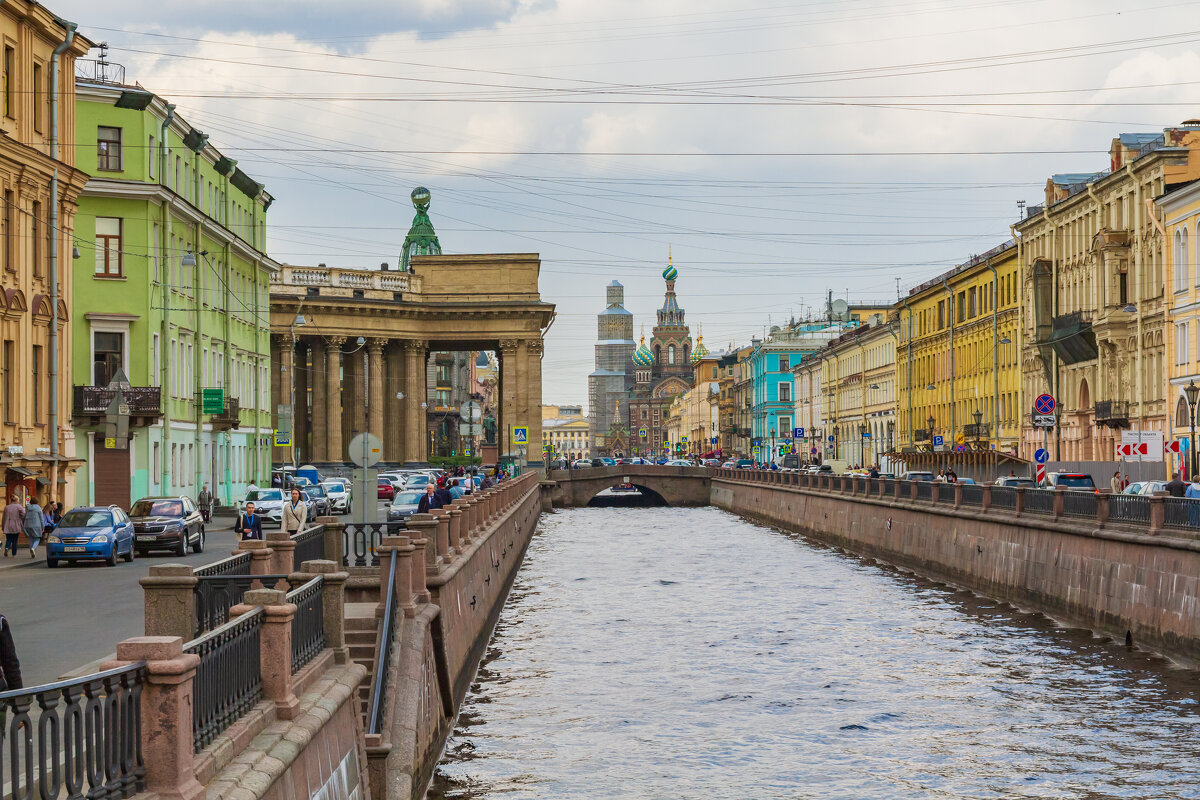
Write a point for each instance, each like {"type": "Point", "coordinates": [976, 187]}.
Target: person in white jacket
{"type": "Point", "coordinates": [295, 513]}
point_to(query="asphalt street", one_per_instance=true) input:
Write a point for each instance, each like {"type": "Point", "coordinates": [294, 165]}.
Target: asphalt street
{"type": "Point", "coordinates": [66, 617]}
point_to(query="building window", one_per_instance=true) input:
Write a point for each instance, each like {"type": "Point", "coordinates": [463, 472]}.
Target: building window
{"type": "Point", "coordinates": [39, 229]}
{"type": "Point", "coordinates": [156, 464]}
{"type": "Point", "coordinates": [10, 232]}
{"type": "Point", "coordinates": [108, 149]}
{"type": "Point", "coordinates": [1181, 343]}
{"type": "Point", "coordinates": [107, 356]}
{"type": "Point", "coordinates": [108, 247]}
{"type": "Point", "coordinates": [671, 354]}
{"type": "Point", "coordinates": [8, 365]}
{"type": "Point", "coordinates": [784, 364]}
{"type": "Point", "coordinates": [37, 383]}
{"type": "Point", "coordinates": [39, 100]}
{"type": "Point", "coordinates": [785, 392]}
{"type": "Point", "coordinates": [10, 80]}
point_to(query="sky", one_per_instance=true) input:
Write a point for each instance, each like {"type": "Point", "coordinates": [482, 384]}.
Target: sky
{"type": "Point", "coordinates": [778, 150]}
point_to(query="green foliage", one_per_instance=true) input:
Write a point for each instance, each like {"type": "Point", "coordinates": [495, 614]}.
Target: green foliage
{"type": "Point", "coordinates": [454, 461]}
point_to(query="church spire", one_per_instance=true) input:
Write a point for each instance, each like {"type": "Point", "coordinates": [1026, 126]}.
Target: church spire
{"type": "Point", "coordinates": [422, 239]}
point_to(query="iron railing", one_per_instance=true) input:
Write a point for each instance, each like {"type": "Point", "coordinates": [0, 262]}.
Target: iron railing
{"type": "Point", "coordinates": [1004, 497]}
{"type": "Point", "coordinates": [74, 739]}
{"type": "Point", "coordinates": [229, 679]}
{"type": "Point", "coordinates": [1112, 410]}
{"type": "Point", "coordinates": [143, 401]}
{"type": "Point", "coordinates": [216, 594]}
{"type": "Point", "coordinates": [1039, 501]}
{"type": "Point", "coordinates": [234, 565]}
{"type": "Point", "coordinates": [308, 626]}
{"type": "Point", "coordinates": [1079, 504]}
{"type": "Point", "coordinates": [360, 542]}
{"type": "Point", "coordinates": [972, 494]}
{"type": "Point", "coordinates": [310, 544]}
{"type": "Point", "coordinates": [1181, 513]}
{"type": "Point", "coordinates": [924, 490]}
{"type": "Point", "coordinates": [379, 684]}
{"type": "Point", "coordinates": [946, 492]}
{"type": "Point", "coordinates": [1133, 508]}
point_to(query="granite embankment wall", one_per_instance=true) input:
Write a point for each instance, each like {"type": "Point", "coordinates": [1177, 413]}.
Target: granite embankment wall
{"type": "Point", "coordinates": [1129, 584]}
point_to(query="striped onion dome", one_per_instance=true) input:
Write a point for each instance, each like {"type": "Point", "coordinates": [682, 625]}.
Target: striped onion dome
{"type": "Point", "coordinates": [700, 352]}
{"type": "Point", "coordinates": [642, 357]}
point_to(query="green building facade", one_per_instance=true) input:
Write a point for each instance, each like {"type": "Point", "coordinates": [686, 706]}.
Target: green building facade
{"type": "Point", "coordinates": [170, 290]}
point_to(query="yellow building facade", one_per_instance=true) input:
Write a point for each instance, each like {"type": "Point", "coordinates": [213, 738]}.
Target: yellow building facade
{"type": "Point", "coordinates": [1180, 213]}
{"type": "Point", "coordinates": [1093, 259]}
{"type": "Point", "coordinates": [857, 374]}
{"type": "Point", "coordinates": [958, 357]}
{"type": "Point", "coordinates": [36, 241]}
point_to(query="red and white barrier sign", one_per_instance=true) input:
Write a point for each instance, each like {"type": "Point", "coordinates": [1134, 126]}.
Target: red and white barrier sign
{"type": "Point", "coordinates": [1175, 446]}
{"type": "Point", "coordinates": [1039, 474]}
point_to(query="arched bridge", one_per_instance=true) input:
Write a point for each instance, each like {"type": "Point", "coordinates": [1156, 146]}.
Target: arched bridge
{"type": "Point", "coordinates": [677, 486]}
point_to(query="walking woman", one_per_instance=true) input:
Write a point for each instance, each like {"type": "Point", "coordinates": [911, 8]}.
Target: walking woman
{"type": "Point", "coordinates": [10, 667]}
{"type": "Point", "coordinates": [295, 513]}
{"type": "Point", "coordinates": [35, 523]}
{"type": "Point", "coordinates": [14, 518]}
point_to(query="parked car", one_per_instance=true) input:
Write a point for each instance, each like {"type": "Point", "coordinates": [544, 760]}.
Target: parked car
{"type": "Point", "coordinates": [680, 462]}
{"type": "Point", "coordinates": [167, 523]}
{"type": "Point", "coordinates": [1150, 487]}
{"type": "Point", "coordinates": [1016, 480]}
{"type": "Point", "coordinates": [386, 490]}
{"type": "Point", "coordinates": [1070, 480]}
{"type": "Point", "coordinates": [582, 463]}
{"type": "Point", "coordinates": [338, 495]}
{"type": "Point", "coordinates": [91, 533]}
{"type": "Point", "coordinates": [418, 482]}
{"type": "Point", "coordinates": [396, 478]}
{"type": "Point", "coordinates": [730, 464]}
{"type": "Point", "coordinates": [559, 463]}
{"type": "Point", "coordinates": [745, 463]}
{"type": "Point", "coordinates": [917, 475]}
{"type": "Point", "coordinates": [268, 504]}
{"type": "Point", "coordinates": [404, 506]}
{"type": "Point", "coordinates": [318, 501]}
{"type": "Point", "coordinates": [604, 462]}
{"type": "Point", "coordinates": [301, 481]}
{"type": "Point", "coordinates": [638, 460]}
{"type": "Point", "coordinates": [711, 462]}
{"type": "Point", "coordinates": [1133, 488]}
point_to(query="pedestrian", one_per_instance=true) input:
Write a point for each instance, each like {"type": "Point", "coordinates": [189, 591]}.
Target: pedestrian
{"type": "Point", "coordinates": [14, 518]}
{"type": "Point", "coordinates": [34, 524]}
{"type": "Point", "coordinates": [874, 471]}
{"type": "Point", "coordinates": [1115, 483]}
{"type": "Point", "coordinates": [295, 513]}
{"type": "Point", "coordinates": [205, 501]}
{"type": "Point", "coordinates": [456, 490]}
{"type": "Point", "coordinates": [1193, 508]}
{"type": "Point", "coordinates": [1125, 481]}
{"type": "Point", "coordinates": [249, 524]}
{"type": "Point", "coordinates": [428, 501]}
{"type": "Point", "coordinates": [52, 515]}
{"type": "Point", "coordinates": [10, 666]}
{"type": "Point", "coordinates": [1176, 487]}
{"type": "Point", "coordinates": [443, 495]}
{"type": "Point", "coordinates": [951, 476]}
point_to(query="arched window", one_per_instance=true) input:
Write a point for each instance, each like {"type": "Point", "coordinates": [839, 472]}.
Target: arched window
{"type": "Point", "coordinates": [686, 353]}
{"type": "Point", "coordinates": [1181, 414]}
{"type": "Point", "coordinates": [658, 354]}
{"type": "Point", "coordinates": [671, 354]}
{"type": "Point", "coordinates": [1182, 263]}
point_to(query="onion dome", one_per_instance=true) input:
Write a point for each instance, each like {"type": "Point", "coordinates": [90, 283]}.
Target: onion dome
{"type": "Point", "coordinates": [670, 273]}
{"type": "Point", "coordinates": [642, 357]}
{"type": "Point", "coordinates": [700, 352]}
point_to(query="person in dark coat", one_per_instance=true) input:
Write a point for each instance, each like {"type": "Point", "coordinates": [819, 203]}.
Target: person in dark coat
{"type": "Point", "coordinates": [10, 667]}
{"type": "Point", "coordinates": [249, 524]}
{"type": "Point", "coordinates": [1176, 487]}
{"type": "Point", "coordinates": [443, 495]}
{"type": "Point", "coordinates": [428, 501]}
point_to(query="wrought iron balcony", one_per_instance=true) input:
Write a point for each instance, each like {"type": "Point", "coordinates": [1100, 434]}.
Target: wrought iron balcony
{"type": "Point", "coordinates": [979, 431]}
{"type": "Point", "coordinates": [230, 416]}
{"type": "Point", "coordinates": [143, 404]}
{"type": "Point", "coordinates": [921, 435]}
{"type": "Point", "coordinates": [1113, 413]}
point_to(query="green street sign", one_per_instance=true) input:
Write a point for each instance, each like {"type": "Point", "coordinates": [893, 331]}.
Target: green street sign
{"type": "Point", "coordinates": [212, 401]}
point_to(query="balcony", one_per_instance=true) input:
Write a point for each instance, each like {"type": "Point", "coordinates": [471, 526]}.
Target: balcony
{"type": "Point", "coordinates": [143, 404]}
{"type": "Point", "coordinates": [1112, 413]}
{"type": "Point", "coordinates": [921, 435]}
{"type": "Point", "coordinates": [980, 431]}
{"type": "Point", "coordinates": [1072, 338]}
{"type": "Point", "coordinates": [230, 416]}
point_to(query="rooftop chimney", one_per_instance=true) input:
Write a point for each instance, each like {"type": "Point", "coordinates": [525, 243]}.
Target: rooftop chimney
{"type": "Point", "coordinates": [322, 264]}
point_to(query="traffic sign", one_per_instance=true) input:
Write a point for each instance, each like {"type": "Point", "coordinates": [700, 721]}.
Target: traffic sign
{"type": "Point", "coordinates": [467, 451]}
{"type": "Point", "coordinates": [520, 434]}
{"type": "Point", "coordinates": [1044, 404]}
{"type": "Point", "coordinates": [713, 441]}
{"type": "Point", "coordinates": [1141, 445]}
{"type": "Point", "coordinates": [365, 450]}
{"type": "Point", "coordinates": [642, 432]}
{"type": "Point", "coordinates": [283, 439]}
{"type": "Point", "coordinates": [798, 433]}
{"type": "Point", "coordinates": [1041, 455]}
{"type": "Point", "coordinates": [1175, 446]}
{"type": "Point", "coordinates": [110, 443]}
{"type": "Point", "coordinates": [683, 439]}
{"type": "Point", "coordinates": [1039, 473]}
{"type": "Point", "coordinates": [813, 451]}
{"type": "Point", "coordinates": [755, 450]}
{"type": "Point", "coordinates": [961, 448]}
{"type": "Point", "coordinates": [212, 401]}
{"type": "Point", "coordinates": [1044, 420]}
{"type": "Point", "coordinates": [938, 441]}
{"type": "Point", "coordinates": [831, 438]}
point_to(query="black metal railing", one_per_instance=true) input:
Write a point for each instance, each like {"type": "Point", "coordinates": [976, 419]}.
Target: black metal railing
{"type": "Point", "coordinates": [1109, 410]}
{"type": "Point", "coordinates": [310, 544]}
{"type": "Point", "coordinates": [1039, 501]}
{"type": "Point", "coordinates": [887, 486]}
{"type": "Point", "coordinates": [1004, 497]}
{"type": "Point", "coordinates": [216, 594]}
{"type": "Point", "coordinates": [360, 542]}
{"type": "Point", "coordinates": [1181, 513]}
{"type": "Point", "coordinates": [972, 494]}
{"type": "Point", "coordinates": [924, 490]}
{"type": "Point", "coordinates": [980, 431]}
{"type": "Point", "coordinates": [308, 626]}
{"type": "Point", "coordinates": [143, 401]}
{"type": "Point", "coordinates": [229, 679]}
{"type": "Point", "coordinates": [1079, 504]}
{"type": "Point", "coordinates": [946, 492]}
{"type": "Point", "coordinates": [234, 565]}
{"type": "Point", "coordinates": [1129, 508]}
{"type": "Point", "coordinates": [921, 435]}
{"type": "Point", "coordinates": [379, 681]}
{"type": "Point", "coordinates": [74, 739]}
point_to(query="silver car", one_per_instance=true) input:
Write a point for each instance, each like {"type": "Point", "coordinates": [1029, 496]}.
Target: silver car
{"type": "Point", "coordinates": [268, 503]}
{"type": "Point", "coordinates": [404, 506]}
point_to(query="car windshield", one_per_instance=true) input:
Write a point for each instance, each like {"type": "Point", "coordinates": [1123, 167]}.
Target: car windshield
{"type": "Point", "coordinates": [86, 519]}
{"type": "Point", "coordinates": [1075, 481]}
{"type": "Point", "coordinates": [157, 508]}
{"type": "Point", "coordinates": [258, 495]}
{"type": "Point", "coordinates": [334, 488]}
{"type": "Point", "coordinates": [417, 480]}
{"type": "Point", "coordinates": [316, 491]}
{"type": "Point", "coordinates": [408, 498]}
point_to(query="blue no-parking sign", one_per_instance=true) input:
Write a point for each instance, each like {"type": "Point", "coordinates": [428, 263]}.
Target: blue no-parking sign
{"type": "Point", "coordinates": [1044, 404]}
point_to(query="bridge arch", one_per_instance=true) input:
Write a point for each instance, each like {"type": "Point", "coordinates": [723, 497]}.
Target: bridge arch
{"type": "Point", "coordinates": [677, 486]}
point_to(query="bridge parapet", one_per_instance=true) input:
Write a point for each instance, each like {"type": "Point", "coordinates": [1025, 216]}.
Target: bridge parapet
{"type": "Point", "coordinates": [678, 486]}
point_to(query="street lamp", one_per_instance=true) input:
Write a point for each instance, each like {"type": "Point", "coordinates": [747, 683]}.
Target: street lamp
{"type": "Point", "coordinates": [862, 443]}
{"type": "Point", "coordinates": [978, 421]}
{"type": "Point", "coordinates": [1192, 392]}
{"type": "Point", "coordinates": [931, 422]}
{"type": "Point", "coordinates": [891, 429]}
{"type": "Point", "coordinates": [771, 452]}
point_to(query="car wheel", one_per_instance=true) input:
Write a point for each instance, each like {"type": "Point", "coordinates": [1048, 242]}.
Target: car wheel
{"type": "Point", "coordinates": [131, 554]}
{"type": "Point", "coordinates": [182, 548]}
{"type": "Point", "coordinates": [51, 562]}
{"type": "Point", "coordinates": [198, 547]}
{"type": "Point", "coordinates": [111, 561]}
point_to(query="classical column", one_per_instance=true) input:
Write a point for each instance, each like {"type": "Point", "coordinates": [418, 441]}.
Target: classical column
{"type": "Point", "coordinates": [287, 391]}
{"type": "Point", "coordinates": [279, 388]}
{"type": "Point", "coordinates": [300, 410]}
{"type": "Point", "coordinates": [353, 397]}
{"type": "Point", "coordinates": [333, 400]}
{"type": "Point", "coordinates": [318, 422]}
{"type": "Point", "coordinates": [375, 387]}
{"type": "Point", "coordinates": [393, 414]}
{"type": "Point", "coordinates": [414, 395]}
{"type": "Point", "coordinates": [509, 393]}
{"type": "Point", "coordinates": [532, 394]}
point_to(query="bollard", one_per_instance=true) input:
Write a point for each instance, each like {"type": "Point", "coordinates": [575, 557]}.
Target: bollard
{"type": "Point", "coordinates": [1158, 511]}
{"type": "Point", "coordinates": [985, 498]}
{"type": "Point", "coordinates": [260, 555]}
{"type": "Point", "coordinates": [441, 540]}
{"type": "Point", "coordinates": [166, 733]}
{"type": "Point", "coordinates": [170, 601]}
{"type": "Point", "coordinates": [1102, 496]}
{"type": "Point", "coordinates": [1020, 505]}
{"type": "Point", "coordinates": [333, 604]}
{"type": "Point", "coordinates": [453, 531]}
{"type": "Point", "coordinates": [958, 490]}
{"type": "Point", "coordinates": [334, 534]}
{"type": "Point", "coordinates": [275, 646]}
{"type": "Point", "coordinates": [283, 553]}
{"type": "Point", "coordinates": [1059, 494]}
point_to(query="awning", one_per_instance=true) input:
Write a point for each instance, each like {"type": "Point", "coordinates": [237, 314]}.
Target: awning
{"type": "Point", "coordinates": [24, 473]}
{"type": "Point", "coordinates": [1074, 343]}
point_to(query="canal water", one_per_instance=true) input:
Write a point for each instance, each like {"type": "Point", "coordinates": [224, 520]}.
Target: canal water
{"type": "Point", "coordinates": [688, 653]}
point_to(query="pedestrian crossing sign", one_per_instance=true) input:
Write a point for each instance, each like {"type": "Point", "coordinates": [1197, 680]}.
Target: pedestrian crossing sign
{"type": "Point", "coordinates": [520, 434]}
{"type": "Point", "coordinates": [283, 439]}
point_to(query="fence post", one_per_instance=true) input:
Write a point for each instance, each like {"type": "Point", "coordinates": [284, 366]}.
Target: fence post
{"type": "Point", "coordinates": [985, 497]}
{"type": "Point", "coordinates": [1059, 493]}
{"type": "Point", "coordinates": [283, 553]}
{"type": "Point", "coordinates": [935, 492]}
{"type": "Point", "coordinates": [958, 490]}
{"type": "Point", "coordinates": [1102, 506]}
{"type": "Point", "coordinates": [1158, 510]}
{"type": "Point", "coordinates": [912, 491]}
{"type": "Point", "coordinates": [424, 528]}
{"type": "Point", "coordinates": [441, 552]}
{"type": "Point", "coordinates": [853, 484]}
{"type": "Point", "coordinates": [275, 646]}
{"type": "Point", "coordinates": [334, 538]}
{"type": "Point", "coordinates": [170, 601]}
{"type": "Point", "coordinates": [1020, 504]}
{"type": "Point", "coordinates": [260, 555]}
{"type": "Point", "coordinates": [402, 550]}
{"type": "Point", "coordinates": [333, 604]}
{"type": "Point", "coordinates": [167, 699]}
{"type": "Point", "coordinates": [455, 528]}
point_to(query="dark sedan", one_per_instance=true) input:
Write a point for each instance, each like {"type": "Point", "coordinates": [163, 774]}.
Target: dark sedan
{"type": "Point", "coordinates": [167, 523]}
{"type": "Point", "coordinates": [318, 501]}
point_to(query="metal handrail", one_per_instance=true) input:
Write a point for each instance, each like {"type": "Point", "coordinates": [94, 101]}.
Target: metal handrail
{"type": "Point", "coordinates": [234, 565]}
{"type": "Point", "coordinates": [308, 625]}
{"type": "Point", "coordinates": [379, 683]}
{"type": "Point", "coordinates": [228, 681]}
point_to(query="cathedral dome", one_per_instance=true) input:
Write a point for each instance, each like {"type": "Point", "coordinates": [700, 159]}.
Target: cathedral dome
{"type": "Point", "coordinates": [670, 273]}
{"type": "Point", "coordinates": [643, 357]}
{"type": "Point", "coordinates": [700, 352]}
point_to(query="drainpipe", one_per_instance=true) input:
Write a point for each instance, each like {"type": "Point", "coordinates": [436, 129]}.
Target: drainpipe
{"type": "Point", "coordinates": [1012, 230]}
{"type": "Point", "coordinates": [904, 302]}
{"type": "Point", "coordinates": [164, 343]}
{"type": "Point", "coordinates": [995, 355]}
{"type": "Point", "coordinates": [198, 302]}
{"type": "Point", "coordinates": [1150, 214]}
{"type": "Point", "coordinates": [1100, 382]}
{"type": "Point", "coordinates": [54, 237]}
{"type": "Point", "coordinates": [953, 398]}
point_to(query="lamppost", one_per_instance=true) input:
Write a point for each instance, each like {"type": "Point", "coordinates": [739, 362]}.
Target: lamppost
{"type": "Point", "coordinates": [1192, 391]}
{"type": "Point", "coordinates": [978, 422]}
{"type": "Point", "coordinates": [771, 452]}
{"type": "Point", "coordinates": [891, 431]}
{"type": "Point", "coordinates": [862, 443]}
{"type": "Point", "coordinates": [931, 422]}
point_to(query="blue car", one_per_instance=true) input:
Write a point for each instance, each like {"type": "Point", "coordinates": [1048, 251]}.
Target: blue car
{"type": "Point", "coordinates": [91, 533]}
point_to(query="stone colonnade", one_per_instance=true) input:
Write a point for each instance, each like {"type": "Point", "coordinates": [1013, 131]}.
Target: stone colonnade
{"type": "Point", "coordinates": [337, 390]}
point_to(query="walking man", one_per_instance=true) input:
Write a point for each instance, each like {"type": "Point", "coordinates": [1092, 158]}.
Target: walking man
{"type": "Point", "coordinates": [34, 524]}
{"type": "Point", "coordinates": [1115, 483]}
{"type": "Point", "coordinates": [14, 516]}
{"type": "Point", "coordinates": [205, 500]}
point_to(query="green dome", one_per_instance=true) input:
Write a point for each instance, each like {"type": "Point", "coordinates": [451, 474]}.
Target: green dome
{"type": "Point", "coordinates": [700, 352]}
{"type": "Point", "coordinates": [670, 273]}
{"type": "Point", "coordinates": [643, 357]}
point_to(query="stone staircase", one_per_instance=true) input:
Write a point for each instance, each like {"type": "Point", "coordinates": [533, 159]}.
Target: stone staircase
{"type": "Point", "coordinates": [362, 636]}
